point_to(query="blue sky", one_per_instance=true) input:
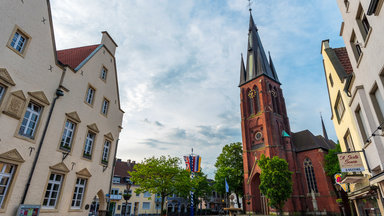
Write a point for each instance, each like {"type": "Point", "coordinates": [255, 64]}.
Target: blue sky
{"type": "Point", "coordinates": [178, 65]}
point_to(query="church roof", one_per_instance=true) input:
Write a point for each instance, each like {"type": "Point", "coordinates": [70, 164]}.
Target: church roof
{"type": "Point", "coordinates": [257, 62]}
{"type": "Point", "coordinates": [305, 140]}
{"type": "Point", "coordinates": [75, 56]}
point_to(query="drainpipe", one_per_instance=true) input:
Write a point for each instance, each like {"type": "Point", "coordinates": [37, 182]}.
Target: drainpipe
{"type": "Point", "coordinates": [112, 172]}
{"type": "Point", "coordinates": [59, 93]}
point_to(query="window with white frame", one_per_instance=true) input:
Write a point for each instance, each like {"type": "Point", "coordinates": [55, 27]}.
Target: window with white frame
{"type": "Point", "coordinates": [6, 175]}
{"type": "Point", "coordinates": [116, 180]}
{"type": "Point", "coordinates": [30, 120]}
{"type": "Point", "coordinates": [2, 90]}
{"type": "Point", "coordinates": [362, 22]}
{"type": "Point", "coordinates": [356, 48]}
{"type": "Point", "coordinates": [147, 194]}
{"type": "Point", "coordinates": [107, 146]}
{"type": "Point", "coordinates": [146, 205]}
{"type": "Point", "coordinates": [19, 41]}
{"type": "Point", "coordinates": [103, 73]}
{"type": "Point", "coordinates": [348, 142]}
{"type": "Point", "coordinates": [53, 191]}
{"type": "Point", "coordinates": [68, 133]}
{"type": "Point", "coordinates": [104, 107]}
{"type": "Point", "coordinates": [78, 194]}
{"type": "Point", "coordinates": [115, 191]}
{"type": "Point", "coordinates": [310, 176]}
{"type": "Point", "coordinates": [89, 144]}
{"type": "Point", "coordinates": [90, 95]}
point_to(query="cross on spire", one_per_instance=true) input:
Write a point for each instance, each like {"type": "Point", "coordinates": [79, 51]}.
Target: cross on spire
{"type": "Point", "coordinates": [249, 5]}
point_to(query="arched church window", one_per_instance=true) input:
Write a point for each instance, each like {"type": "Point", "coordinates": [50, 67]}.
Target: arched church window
{"type": "Point", "coordinates": [310, 176]}
{"type": "Point", "coordinates": [276, 100]}
{"type": "Point", "coordinates": [273, 98]}
{"type": "Point", "coordinates": [257, 99]}
{"type": "Point", "coordinates": [250, 102]}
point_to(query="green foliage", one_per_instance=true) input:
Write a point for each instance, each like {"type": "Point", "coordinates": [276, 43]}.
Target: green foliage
{"type": "Point", "coordinates": [229, 165]}
{"type": "Point", "coordinates": [161, 175]}
{"type": "Point", "coordinates": [332, 162]}
{"type": "Point", "coordinates": [275, 181]}
{"type": "Point", "coordinates": [200, 187]}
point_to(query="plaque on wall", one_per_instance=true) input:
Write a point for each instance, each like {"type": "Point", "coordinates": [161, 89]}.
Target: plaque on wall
{"type": "Point", "coordinates": [28, 210]}
{"type": "Point", "coordinates": [15, 104]}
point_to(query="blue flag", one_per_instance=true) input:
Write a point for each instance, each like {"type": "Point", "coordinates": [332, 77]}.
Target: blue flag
{"type": "Point", "coordinates": [226, 186]}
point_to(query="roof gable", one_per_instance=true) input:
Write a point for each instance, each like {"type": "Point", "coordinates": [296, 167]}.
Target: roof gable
{"type": "Point", "coordinates": [75, 56]}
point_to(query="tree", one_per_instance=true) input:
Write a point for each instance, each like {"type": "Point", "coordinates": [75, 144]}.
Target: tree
{"type": "Point", "coordinates": [229, 165]}
{"type": "Point", "coordinates": [201, 188]}
{"type": "Point", "coordinates": [161, 176]}
{"type": "Point", "coordinates": [275, 181]}
{"type": "Point", "coordinates": [332, 162]}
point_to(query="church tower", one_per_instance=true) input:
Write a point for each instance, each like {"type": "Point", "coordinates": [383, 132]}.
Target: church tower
{"type": "Point", "coordinates": [264, 121]}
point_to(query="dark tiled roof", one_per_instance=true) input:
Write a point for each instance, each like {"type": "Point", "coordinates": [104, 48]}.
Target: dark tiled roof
{"type": "Point", "coordinates": [342, 55]}
{"type": "Point", "coordinates": [305, 140]}
{"type": "Point", "coordinates": [73, 57]}
{"type": "Point", "coordinates": [122, 168]}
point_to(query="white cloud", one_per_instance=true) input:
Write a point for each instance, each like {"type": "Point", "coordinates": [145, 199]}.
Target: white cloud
{"type": "Point", "coordinates": [178, 65]}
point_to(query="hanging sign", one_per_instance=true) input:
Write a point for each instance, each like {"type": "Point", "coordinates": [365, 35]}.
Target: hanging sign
{"type": "Point", "coordinates": [351, 162]}
{"type": "Point", "coordinates": [338, 181]}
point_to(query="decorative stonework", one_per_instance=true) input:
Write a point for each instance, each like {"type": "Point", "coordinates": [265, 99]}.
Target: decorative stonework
{"type": "Point", "coordinates": [40, 96]}
{"type": "Point", "coordinates": [4, 76]}
{"type": "Point", "coordinates": [74, 116]}
{"type": "Point", "coordinates": [12, 155]}
{"type": "Point", "coordinates": [15, 104]}
{"type": "Point", "coordinates": [109, 136]}
{"type": "Point", "coordinates": [60, 167]}
{"type": "Point", "coordinates": [84, 172]}
{"type": "Point", "coordinates": [93, 127]}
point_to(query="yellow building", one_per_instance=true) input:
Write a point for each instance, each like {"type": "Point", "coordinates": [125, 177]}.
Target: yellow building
{"type": "Point", "coordinates": [339, 75]}
{"type": "Point", "coordinates": [60, 116]}
{"type": "Point", "coordinates": [139, 203]}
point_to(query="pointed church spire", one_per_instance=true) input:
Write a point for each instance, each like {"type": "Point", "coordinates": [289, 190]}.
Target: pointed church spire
{"type": "Point", "coordinates": [273, 68]}
{"type": "Point", "coordinates": [257, 62]}
{"type": "Point", "coordinates": [323, 126]}
{"type": "Point", "coordinates": [242, 71]}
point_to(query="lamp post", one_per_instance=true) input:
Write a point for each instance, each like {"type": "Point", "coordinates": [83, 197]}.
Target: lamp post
{"type": "Point", "coordinates": [127, 196]}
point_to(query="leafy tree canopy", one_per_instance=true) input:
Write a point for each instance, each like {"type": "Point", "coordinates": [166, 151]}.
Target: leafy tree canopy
{"type": "Point", "coordinates": [332, 162]}
{"type": "Point", "coordinates": [275, 181]}
{"type": "Point", "coordinates": [229, 166]}
{"type": "Point", "coordinates": [162, 176]}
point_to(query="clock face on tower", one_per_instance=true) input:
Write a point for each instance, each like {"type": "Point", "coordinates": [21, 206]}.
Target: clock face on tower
{"type": "Point", "coordinates": [258, 136]}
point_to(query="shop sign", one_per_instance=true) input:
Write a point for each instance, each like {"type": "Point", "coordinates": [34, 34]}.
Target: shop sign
{"type": "Point", "coordinates": [28, 210]}
{"type": "Point", "coordinates": [350, 162]}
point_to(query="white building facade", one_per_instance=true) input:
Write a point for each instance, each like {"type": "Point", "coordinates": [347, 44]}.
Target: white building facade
{"type": "Point", "coordinates": [60, 116]}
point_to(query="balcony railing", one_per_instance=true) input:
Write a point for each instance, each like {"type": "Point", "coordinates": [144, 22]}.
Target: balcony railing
{"type": "Point", "coordinates": [115, 197]}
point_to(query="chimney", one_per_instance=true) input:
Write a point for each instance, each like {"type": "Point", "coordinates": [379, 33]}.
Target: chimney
{"type": "Point", "coordinates": [108, 42]}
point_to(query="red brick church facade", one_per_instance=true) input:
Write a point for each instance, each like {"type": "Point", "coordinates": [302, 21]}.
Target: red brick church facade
{"type": "Point", "coordinates": [266, 130]}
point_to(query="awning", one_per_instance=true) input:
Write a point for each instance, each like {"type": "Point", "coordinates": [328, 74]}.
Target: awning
{"type": "Point", "coordinates": [352, 179]}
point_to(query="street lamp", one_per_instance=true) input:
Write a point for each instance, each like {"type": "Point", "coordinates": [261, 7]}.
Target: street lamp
{"type": "Point", "coordinates": [127, 195]}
